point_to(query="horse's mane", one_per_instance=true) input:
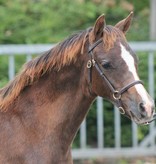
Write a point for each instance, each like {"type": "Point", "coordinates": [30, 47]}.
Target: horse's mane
{"type": "Point", "coordinates": [62, 54]}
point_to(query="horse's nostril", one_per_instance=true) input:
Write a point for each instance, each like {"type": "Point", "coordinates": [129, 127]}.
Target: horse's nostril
{"type": "Point", "coordinates": [144, 111]}
{"type": "Point", "coordinates": [142, 107]}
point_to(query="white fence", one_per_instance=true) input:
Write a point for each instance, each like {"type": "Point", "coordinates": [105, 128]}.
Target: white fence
{"type": "Point", "coordinates": [146, 147]}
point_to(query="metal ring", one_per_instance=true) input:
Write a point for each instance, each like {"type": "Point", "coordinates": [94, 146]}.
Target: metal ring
{"type": "Point", "coordinates": [121, 109]}
{"type": "Point", "coordinates": [93, 62]}
{"type": "Point", "coordinates": [116, 95]}
{"type": "Point", "coordinates": [89, 64]}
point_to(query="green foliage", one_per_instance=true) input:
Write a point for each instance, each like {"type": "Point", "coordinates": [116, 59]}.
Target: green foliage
{"type": "Point", "coordinates": [42, 21]}
{"type": "Point", "coordinates": [49, 21]}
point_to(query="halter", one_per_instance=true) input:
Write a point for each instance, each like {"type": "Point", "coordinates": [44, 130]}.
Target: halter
{"type": "Point", "coordinates": [117, 94]}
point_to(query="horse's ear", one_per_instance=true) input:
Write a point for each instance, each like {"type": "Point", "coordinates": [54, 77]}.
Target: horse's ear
{"type": "Point", "coordinates": [124, 24]}
{"type": "Point", "coordinates": [97, 31]}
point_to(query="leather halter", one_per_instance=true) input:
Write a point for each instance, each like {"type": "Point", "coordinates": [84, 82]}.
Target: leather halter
{"type": "Point", "coordinates": [117, 94]}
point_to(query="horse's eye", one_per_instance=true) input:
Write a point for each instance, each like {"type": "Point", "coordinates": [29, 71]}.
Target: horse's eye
{"type": "Point", "coordinates": [106, 64]}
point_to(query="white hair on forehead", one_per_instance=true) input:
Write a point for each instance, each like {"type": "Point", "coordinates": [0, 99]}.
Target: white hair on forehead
{"type": "Point", "coordinates": [130, 62]}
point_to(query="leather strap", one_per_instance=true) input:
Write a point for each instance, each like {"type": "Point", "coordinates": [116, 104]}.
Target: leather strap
{"type": "Point", "coordinates": [115, 93]}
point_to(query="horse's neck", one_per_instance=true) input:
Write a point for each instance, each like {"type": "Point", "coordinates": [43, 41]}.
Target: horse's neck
{"type": "Point", "coordinates": [56, 105]}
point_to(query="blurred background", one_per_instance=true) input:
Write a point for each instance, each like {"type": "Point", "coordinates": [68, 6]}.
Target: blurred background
{"type": "Point", "coordinates": [49, 21]}
{"type": "Point", "coordinates": [104, 135]}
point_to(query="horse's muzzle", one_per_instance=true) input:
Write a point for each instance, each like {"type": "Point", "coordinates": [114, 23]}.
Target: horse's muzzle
{"type": "Point", "coordinates": [148, 122]}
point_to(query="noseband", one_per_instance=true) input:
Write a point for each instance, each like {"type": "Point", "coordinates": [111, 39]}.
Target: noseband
{"type": "Point", "coordinates": [117, 94]}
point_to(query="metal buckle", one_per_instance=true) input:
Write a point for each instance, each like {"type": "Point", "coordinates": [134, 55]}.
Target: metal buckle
{"type": "Point", "coordinates": [116, 95]}
{"type": "Point", "coordinates": [90, 63]}
{"type": "Point", "coordinates": [121, 109]}
{"type": "Point", "coordinates": [93, 62]}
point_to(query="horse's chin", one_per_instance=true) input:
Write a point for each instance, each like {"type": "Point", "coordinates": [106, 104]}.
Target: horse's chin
{"type": "Point", "coordinates": [143, 121]}
{"type": "Point", "coordinates": [139, 120]}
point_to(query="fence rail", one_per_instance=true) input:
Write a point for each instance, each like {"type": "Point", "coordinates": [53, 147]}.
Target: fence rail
{"type": "Point", "coordinates": [146, 147]}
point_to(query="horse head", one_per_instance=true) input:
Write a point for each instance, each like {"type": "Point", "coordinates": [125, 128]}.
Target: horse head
{"type": "Point", "coordinates": [112, 67]}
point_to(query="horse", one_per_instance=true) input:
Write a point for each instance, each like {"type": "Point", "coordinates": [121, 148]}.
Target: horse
{"type": "Point", "coordinates": [42, 108]}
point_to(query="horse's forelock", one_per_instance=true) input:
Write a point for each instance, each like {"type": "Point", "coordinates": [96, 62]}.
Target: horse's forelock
{"type": "Point", "coordinates": [110, 35]}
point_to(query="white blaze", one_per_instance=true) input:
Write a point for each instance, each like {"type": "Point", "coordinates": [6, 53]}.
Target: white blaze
{"type": "Point", "coordinates": [129, 60]}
